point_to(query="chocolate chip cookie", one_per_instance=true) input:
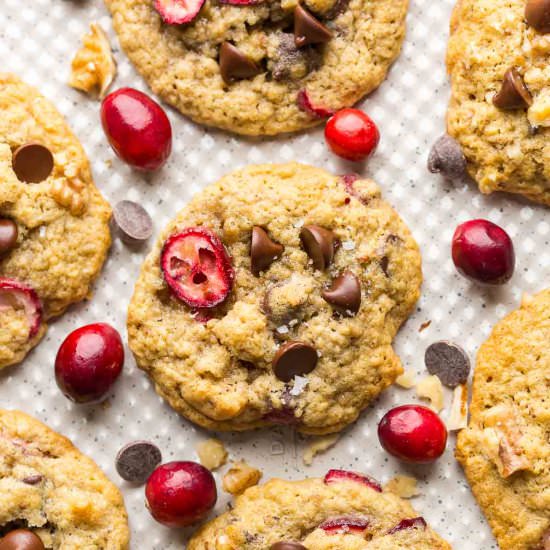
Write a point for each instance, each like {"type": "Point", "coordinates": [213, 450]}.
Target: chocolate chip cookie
{"type": "Point", "coordinates": [261, 67]}
{"type": "Point", "coordinates": [51, 494]}
{"type": "Point", "coordinates": [499, 63]}
{"type": "Point", "coordinates": [505, 450]}
{"type": "Point", "coordinates": [273, 298]}
{"type": "Point", "coordinates": [54, 232]}
{"type": "Point", "coordinates": [345, 510]}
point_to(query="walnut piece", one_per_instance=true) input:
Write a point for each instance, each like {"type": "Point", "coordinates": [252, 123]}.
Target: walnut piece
{"type": "Point", "coordinates": [402, 486]}
{"type": "Point", "coordinates": [240, 477]}
{"type": "Point", "coordinates": [318, 446]}
{"type": "Point", "coordinates": [539, 113]}
{"type": "Point", "coordinates": [431, 388]}
{"type": "Point", "coordinates": [406, 380]}
{"type": "Point", "coordinates": [212, 454]}
{"type": "Point", "coordinates": [93, 68]}
{"type": "Point", "coordinates": [458, 418]}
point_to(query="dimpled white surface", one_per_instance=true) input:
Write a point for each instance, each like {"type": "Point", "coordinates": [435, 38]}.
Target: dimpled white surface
{"type": "Point", "coordinates": [38, 40]}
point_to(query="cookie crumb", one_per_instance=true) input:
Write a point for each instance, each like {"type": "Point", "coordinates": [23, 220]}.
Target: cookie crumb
{"type": "Point", "coordinates": [406, 380]}
{"type": "Point", "coordinates": [424, 326]}
{"type": "Point", "coordinates": [402, 486]}
{"type": "Point", "coordinates": [212, 454]}
{"type": "Point", "coordinates": [458, 417]}
{"type": "Point", "coordinates": [240, 477]}
{"type": "Point", "coordinates": [430, 388]}
{"type": "Point", "coordinates": [318, 446]}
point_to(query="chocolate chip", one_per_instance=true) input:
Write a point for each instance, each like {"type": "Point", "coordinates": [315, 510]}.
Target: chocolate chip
{"type": "Point", "coordinates": [537, 14]}
{"type": "Point", "coordinates": [8, 236]}
{"type": "Point", "coordinates": [290, 62]}
{"type": "Point", "coordinates": [287, 546]}
{"type": "Point", "coordinates": [263, 250]}
{"type": "Point", "coordinates": [344, 294]}
{"type": "Point", "coordinates": [448, 362]}
{"type": "Point", "coordinates": [294, 358]}
{"type": "Point", "coordinates": [32, 163]}
{"type": "Point", "coordinates": [513, 93]}
{"type": "Point", "coordinates": [134, 223]}
{"type": "Point", "coordinates": [318, 242]}
{"type": "Point", "coordinates": [308, 29]}
{"type": "Point", "coordinates": [34, 479]}
{"type": "Point", "coordinates": [21, 539]}
{"type": "Point", "coordinates": [235, 65]}
{"type": "Point", "coordinates": [136, 461]}
{"type": "Point", "coordinates": [446, 157]}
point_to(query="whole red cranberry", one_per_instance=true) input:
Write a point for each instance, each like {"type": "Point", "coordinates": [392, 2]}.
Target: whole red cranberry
{"type": "Point", "coordinates": [413, 433]}
{"type": "Point", "coordinates": [137, 128]}
{"type": "Point", "coordinates": [351, 134]}
{"type": "Point", "coordinates": [484, 252]}
{"type": "Point", "coordinates": [180, 493]}
{"type": "Point", "coordinates": [88, 362]}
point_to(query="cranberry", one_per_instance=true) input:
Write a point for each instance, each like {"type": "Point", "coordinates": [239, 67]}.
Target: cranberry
{"type": "Point", "coordinates": [177, 12]}
{"type": "Point", "coordinates": [409, 523]}
{"type": "Point", "coordinates": [180, 493]}
{"type": "Point", "coordinates": [484, 252]}
{"type": "Point", "coordinates": [338, 526]}
{"type": "Point", "coordinates": [413, 433]}
{"type": "Point", "coordinates": [88, 362]}
{"type": "Point", "coordinates": [335, 476]}
{"type": "Point", "coordinates": [137, 128]}
{"type": "Point", "coordinates": [351, 134]}
{"type": "Point", "coordinates": [14, 293]}
{"type": "Point", "coordinates": [315, 111]}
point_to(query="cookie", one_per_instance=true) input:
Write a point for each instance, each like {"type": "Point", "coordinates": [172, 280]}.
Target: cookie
{"type": "Point", "coordinates": [54, 232]}
{"type": "Point", "coordinates": [505, 450]}
{"type": "Point", "coordinates": [344, 510]}
{"type": "Point", "coordinates": [273, 298]}
{"type": "Point", "coordinates": [499, 110]}
{"type": "Point", "coordinates": [259, 67]}
{"type": "Point", "coordinates": [51, 488]}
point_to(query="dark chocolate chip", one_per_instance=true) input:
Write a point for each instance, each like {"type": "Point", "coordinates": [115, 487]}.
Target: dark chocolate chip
{"type": "Point", "coordinates": [235, 65]}
{"type": "Point", "coordinates": [34, 479]}
{"type": "Point", "coordinates": [446, 157]}
{"type": "Point", "coordinates": [136, 461]}
{"type": "Point", "coordinates": [21, 539]}
{"type": "Point", "coordinates": [8, 236]}
{"type": "Point", "coordinates": [287, 546]}
{"type": "Point", "coordinates": [344, 294]}
{"type": "Point", "coordinates": [133, 221]}
{"type": "Point", "coordinates": [537, 14]}
{"type": "Point", "coordinates": [294, 358]}
{"type": "Point", "coordinates": [32, 163]}
{"type": "Point", "coordinates": [308, 29]}
{"type": "Point", "coordinates": [318, 242]}
{"type": "Point", "coordinates": [263, 250]}
{"type": "Point", "coordinates": [290, 62]}
{"type": "Point", "coordinates": [513, 93]}
{"type": "Point", "coordinates": [448, 362]}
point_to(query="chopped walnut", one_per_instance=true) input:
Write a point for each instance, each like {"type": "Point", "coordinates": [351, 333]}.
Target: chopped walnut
{"type": "Point", "coordinates": [318, 446]}
{"type": "Point", "coordinates": [539, 113]}
{"type": "Point", "coordinates": [402, 486]}
{"type": "Point", "coordinates": [431, 388]}
{"type": "Point", "coordinates": [240, 477]}
{"type": "Point", "coordinates": [458, 418]}
{"type": "Point", "coordinates": [406, 380]}
{"type": "Point", "coordinates": [93, 68]}
{"type": "Point", "coordinates": [70, 194]}
{"type": "Point", "coordinates": [212, 454]}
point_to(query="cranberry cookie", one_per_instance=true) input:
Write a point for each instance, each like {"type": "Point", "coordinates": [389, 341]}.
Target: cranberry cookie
{"type": "Point", "coordinates": [54, 232]}
{"type": "Point", "coordinates": [499, 64]}
{"type": "Point", "coordinates": [505, 450]}
{"type": "Point", "coordinates": [261, 67]}
{"type": "Point", "coordinates": [344, 510]}
{"type": "Point", "coordinates": [49, 488]}
{"type": "Point", "coordinates": [274, 297]}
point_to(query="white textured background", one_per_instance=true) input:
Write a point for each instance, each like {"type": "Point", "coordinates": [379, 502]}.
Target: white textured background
{"type": "Point", "coordinates": [38, 40]}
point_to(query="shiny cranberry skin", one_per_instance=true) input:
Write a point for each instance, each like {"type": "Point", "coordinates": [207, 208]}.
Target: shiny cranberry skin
{"type": "Point", "coordinates": [88, 362]}
{"type": "Point", "coordinates": [483, 251]}
{"type": "Point", "coordinates": [413, 433]}
{"type": "Point", "coordinates": [180, 493]}
{"type": "Point", "coordinates": [137, 128]}
{"type": "Point", "coordinates": [351, 134]}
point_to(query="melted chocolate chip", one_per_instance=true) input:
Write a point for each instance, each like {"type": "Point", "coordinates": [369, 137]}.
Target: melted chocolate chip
{"type": "Point", "coordinates": [513, 93]}
{"type": "Point", "coordinates": [294, 358]}
{"type": "Point", "coordinates": [32, 163]}
{"type": "Point", "coordinates": [287, 546]}
{"type": "Point", "coordinates": [8, 236]}
{"type": "Point", "coordinates": [235, 65]}
{"type": "Point", "coordinates": [446, 157]}
{"type": "Point", "coordinates": [448, 362]}
{"type": "Point", "coordinates": [318, 243]}
{"type": "Point", "coordinates": [291, 62]}
{"type": "Point", "coordinates": [308, 29]}
{"type": "Point", "coordinates": [263, 250]}
{"type": "Point", "coordinates": [344, 294]}
{"type": "Point", "coordinates": [537, 14]}
{"type": "Point", "coordinates": [21, 539]}
{"type": "Point", "coordinates": [136, 461]}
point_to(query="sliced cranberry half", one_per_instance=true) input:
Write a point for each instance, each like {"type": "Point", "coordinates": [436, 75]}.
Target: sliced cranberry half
{"type": "Point", "coordinates": [14, 294]}
{"type": "Point", "coordinates": [343, 525]}
{"type": "Point", "coordinates": [335, 476]}
{"type": "Point", "coordinates": [408, 523]}
{"type": "Point", "coordinates": [197, 267]}
{"type": "Point", "coordinates": [176, 12]}
{"type": "Point", "coordinates": [315, 111]}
